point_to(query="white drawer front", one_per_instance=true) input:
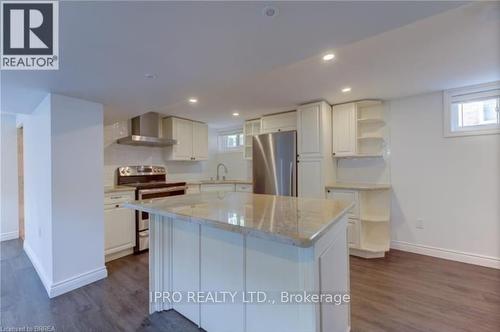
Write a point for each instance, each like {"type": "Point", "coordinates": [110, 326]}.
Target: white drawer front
{"type": "Point", "coordinates": [347, 195]}
{"type": "Point", "coordinates": [247, 188]}
{"type": "Point", "coordinates": [118, 197]}
{"type": "Point", "coordinates": [217, 187]}
{"type": "Point", "coordinates": [193, 189]}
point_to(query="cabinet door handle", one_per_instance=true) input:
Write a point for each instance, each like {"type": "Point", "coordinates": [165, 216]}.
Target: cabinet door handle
{"type": "Point", "coordinates": [117, 205]}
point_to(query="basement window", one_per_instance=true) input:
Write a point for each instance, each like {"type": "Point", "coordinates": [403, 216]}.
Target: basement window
{"type": "Point", "coordinates": [472, 111]}
{"type": "Point", "coordinates": [231, 141]}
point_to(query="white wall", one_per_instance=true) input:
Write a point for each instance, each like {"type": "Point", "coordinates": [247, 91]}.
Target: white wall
{"type": "Point", "coordinates": [64, 221]}
{"type": "Point", "coordinates": [38, 190]}
{"type": "Point", "coordinates": [77, 194]}
{"type": "Point", "coordinates": [452, 184]}
{"type": "Point", "coordinates": [9, 224]}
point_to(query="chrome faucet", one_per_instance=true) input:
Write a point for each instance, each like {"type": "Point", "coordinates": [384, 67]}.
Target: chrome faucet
{"type": "Point", "coordinates": [225, 171]}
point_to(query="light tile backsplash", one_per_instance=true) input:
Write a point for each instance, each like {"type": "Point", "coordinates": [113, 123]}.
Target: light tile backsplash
{"type": "Point", "coordinates": [237, 166]}
{"type": "Point", "coordinates": [116, 155]}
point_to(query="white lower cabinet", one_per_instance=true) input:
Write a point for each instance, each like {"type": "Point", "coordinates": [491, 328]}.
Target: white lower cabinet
{"type": "Point", "coordinates": [119, 227]}
{"type": "Point", "coordinates": [245, 188]}
{"type": "Point", "coordinates": [347, 195]}
{"type": "Point", "coordinates": [368, 230]}
{"type": "Point", "coordinates": [193, 189]}
{"type": "Point", "coordinates": [217, 187]}
{"type": "Point", "coordinates": [224, 187]}
{"type": "Point", "coordinates": [353, 228]}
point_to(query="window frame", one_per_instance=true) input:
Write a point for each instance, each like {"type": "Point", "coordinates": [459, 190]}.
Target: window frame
{"type": "Point", "coordinates": [464, 94]}
{"type": "Point", "coordinates": [225, 149]}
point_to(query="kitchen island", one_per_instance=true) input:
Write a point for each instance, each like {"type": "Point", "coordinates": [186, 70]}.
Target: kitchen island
{"type": "Point", "coordinates": [248, 262]}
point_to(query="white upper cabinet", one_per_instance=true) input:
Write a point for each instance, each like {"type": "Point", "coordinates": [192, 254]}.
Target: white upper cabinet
{"type": "Point", "coordinates": [191, 136]}
{"type": "Point", "coordinates": [344, 138]}
{"type": "Point", "coordinates": [200, 141]}
{"type": "Point", "coordinates": [279, 122]}
{"type": "Point", "coordinates": [183, 133]}
{"type": "Point", "coordinates": [313, 130]}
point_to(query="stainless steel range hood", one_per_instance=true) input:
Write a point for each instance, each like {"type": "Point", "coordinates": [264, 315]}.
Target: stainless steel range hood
{"type": "Point", "coordinates": [146, 132]}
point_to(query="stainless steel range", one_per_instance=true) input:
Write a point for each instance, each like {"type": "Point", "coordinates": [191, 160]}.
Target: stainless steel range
{"type": "Point", "coordinates": [149, 182]}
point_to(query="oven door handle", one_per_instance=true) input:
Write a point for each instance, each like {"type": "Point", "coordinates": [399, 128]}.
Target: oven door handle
{"type": "Point", "coordinates": [161, 190]}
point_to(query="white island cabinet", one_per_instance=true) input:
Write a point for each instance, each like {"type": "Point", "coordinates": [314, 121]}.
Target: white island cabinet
{"type": "Point", "coordinates": [233, 261]}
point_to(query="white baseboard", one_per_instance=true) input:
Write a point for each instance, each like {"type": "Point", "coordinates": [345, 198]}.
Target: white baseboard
{"type": "Point", "coordinates": [9, 236]}
{"type": "Point", "coordinates": [453, 255]}
{"type": "Point", "coordinates": [67, 285]}
{"type": "Point", "coordinates": [38, 267]}
{"type": "Point", "coordinates": [77, 281]}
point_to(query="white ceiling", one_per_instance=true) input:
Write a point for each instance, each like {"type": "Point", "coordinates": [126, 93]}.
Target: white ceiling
{"type": "Point", "coordinates": [231, 57]}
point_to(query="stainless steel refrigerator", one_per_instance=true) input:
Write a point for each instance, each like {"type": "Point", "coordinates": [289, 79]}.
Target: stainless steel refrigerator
{"type": "Point", "coordinates": [274, 164]}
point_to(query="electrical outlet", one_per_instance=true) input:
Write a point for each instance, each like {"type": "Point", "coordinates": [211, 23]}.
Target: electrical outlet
{"type": "Point", "coordinates": [419, 224]}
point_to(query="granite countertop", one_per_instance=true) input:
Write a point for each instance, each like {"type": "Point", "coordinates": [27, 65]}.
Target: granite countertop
{"type": "Point", "coordinates": [114, 189]}
{"type": "Point", "coordinates": [359, 186]}
{"type": "Point", "coordinates": [290, 220]}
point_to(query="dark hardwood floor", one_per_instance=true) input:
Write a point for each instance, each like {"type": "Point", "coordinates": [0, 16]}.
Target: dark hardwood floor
{"type": "Point", "coordinates": [117, 303]}
{"type": "Point", "coordinates": [410, 292]}
{"type": "Point", "coordinates": [403, 292]}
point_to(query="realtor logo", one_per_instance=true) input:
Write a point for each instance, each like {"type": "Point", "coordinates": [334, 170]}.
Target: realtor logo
{"type": "Point", "coordinates": [30, 35]}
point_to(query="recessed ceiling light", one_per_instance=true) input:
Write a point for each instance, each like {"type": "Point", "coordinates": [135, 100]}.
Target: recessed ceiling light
{"type": "Point", "coordinates": [150, 76]}
{"type": "Point", "coordinates": [270, 11]}
{"type": "Point", "coordinates": [193, 100]}
{"type": "Point", "coordinates": [328, 57]}
{"type": "Point", "coordinates": [236, 114]}
{"type": "Point", "coordinates": [346, 89]}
